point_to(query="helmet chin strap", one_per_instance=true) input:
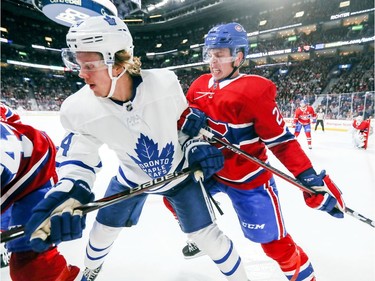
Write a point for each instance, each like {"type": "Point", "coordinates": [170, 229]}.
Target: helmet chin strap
{"type": "Point", "coordinates": [232, 72]}
{"type": "Point", "coordinates": [114, 81]}
{"type": "Point", "coordinates": [235, 68]}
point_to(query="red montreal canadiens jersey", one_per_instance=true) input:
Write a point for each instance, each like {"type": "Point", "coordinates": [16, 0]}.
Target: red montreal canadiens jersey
{"type": "Point", "coordinates": [8, 115]}
{"type": "Point", "coordinates": [27, 159]}
{"type": "Point", "coordinates": [304, 115]}
{"type": "Point", "coordinates": [362, 126]}
{"type": "Point", "coordinates": [243, 111]}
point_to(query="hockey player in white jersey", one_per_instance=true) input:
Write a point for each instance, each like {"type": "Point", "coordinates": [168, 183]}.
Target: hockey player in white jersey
{"type": "Point", "coordinates": [135, 113]}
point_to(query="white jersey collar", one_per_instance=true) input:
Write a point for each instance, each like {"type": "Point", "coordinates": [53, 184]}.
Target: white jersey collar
{"type": "Point", "coordinates": [224, 82]}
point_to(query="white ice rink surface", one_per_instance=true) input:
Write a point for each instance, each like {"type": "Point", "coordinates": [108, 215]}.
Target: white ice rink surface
{"type": "Point", "coordinates": [340, 249]}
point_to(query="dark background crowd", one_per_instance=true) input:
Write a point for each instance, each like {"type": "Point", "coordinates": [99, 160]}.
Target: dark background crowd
{"type": "Point", "coordinates": [338, 79]}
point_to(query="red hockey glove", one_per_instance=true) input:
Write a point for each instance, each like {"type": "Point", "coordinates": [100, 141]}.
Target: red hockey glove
{"type": "Point", "coordinates": [327, 197]}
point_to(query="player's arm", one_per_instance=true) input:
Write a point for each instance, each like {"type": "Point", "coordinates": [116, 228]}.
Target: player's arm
{"type": "Point", "coordinates": [273, 132]}
{"type": "Point", "coordinates": [9, 115]}
{"type": "Point", "coordinates": [55, 219]}
{"type": "Point", "coordinates": [365, 125]}
{"type": "Point", "coordinates": [199, 152]}
{"type": "Point", "coordinates": [11, 152]}
{"type": "Point", "coordinates": [295, 118]}
{"type": "Point", "coordinates": [328, 196]}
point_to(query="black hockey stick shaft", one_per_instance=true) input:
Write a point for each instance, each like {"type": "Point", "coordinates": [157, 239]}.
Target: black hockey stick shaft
{"type": "Point", "coordinates": [19, 231]}
{"type": "Point", "coordinates": [279, 173]}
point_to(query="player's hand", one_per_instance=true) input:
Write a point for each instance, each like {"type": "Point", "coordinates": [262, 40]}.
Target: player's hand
{"type": "Point", "coordinates": [54, 220]}
{"type": "Point", "coordinates": [191, 121]}
{"type": "Point", "coordinates": [328, 196]}
{"type": "Point", "coordinates": [294, 125]}
{"type": "Point", "coordinates": [206, 157]}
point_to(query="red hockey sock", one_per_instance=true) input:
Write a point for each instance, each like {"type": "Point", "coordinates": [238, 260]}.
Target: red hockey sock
{"type": "Point", "coordinates": [47, 266]}
{"type": "Point", "coordinates": [292, 260]}
{"type": "Point", "coordinates": [308, 137]}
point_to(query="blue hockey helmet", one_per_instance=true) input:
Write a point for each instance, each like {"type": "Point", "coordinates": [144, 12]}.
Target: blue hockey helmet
{"type": "Point", "coordinates": [231, 35]}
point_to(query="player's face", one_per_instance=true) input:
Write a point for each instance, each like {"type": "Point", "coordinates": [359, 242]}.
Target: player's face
{"type": "Point", "coordinates": [221, 63]}
{"type": "Point", "coordinates": [95, 73]}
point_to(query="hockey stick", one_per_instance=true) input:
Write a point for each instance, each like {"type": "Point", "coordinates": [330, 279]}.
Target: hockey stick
{"type": "Point", "coordinates": [19, 231]}
{"type": "Point", "coordinates": [279, 173]}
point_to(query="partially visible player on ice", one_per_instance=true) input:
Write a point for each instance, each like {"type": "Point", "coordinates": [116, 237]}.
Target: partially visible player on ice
{"type": "Point", "coordinates": [134, 112]}
{"type": "Point", "coordinates": [241, 109]}
{"type": "Point", "coordinates": [303, 117]}
{"type": "Point", "coordinates": [361, 130]}
{"type": "Point", "coordinates": [27, 168]}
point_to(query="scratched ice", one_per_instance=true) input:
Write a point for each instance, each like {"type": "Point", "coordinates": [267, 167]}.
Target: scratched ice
{"type": "Point", "coordinates": [339, 249]}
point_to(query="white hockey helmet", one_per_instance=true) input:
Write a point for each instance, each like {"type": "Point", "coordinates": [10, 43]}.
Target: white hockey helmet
{"type": "Point", "coordinates": [359, 118]}
{"type": "Point", "coordinates": [103, 34]}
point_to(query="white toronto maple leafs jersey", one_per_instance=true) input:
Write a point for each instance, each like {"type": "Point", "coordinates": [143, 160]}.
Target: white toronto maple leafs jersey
{"type": "Point", "coordinates": [144, 135]}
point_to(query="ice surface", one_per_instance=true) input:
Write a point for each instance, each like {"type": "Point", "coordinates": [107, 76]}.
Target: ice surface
{"type": "Point", "coordinates": [340, 250]}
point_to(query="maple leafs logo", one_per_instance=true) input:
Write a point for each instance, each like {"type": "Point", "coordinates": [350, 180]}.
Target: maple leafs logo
{"type": "Point", "coordinates": [110, 20]}
{"type": "Point", "coordinates": [149, 160]}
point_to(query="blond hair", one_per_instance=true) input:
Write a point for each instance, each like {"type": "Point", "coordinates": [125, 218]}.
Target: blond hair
{"type": "Point", "coordinates": [132, 64]}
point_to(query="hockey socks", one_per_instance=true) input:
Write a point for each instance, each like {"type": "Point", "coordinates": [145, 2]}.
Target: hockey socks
{"type": "Point", "coordinates": [292, 260]}
{"type": "Point", "coordinates": [100, 244]}
{"type": "Point", "coordinates": [220, 249]}
{"type": "Point", "coordinates": [47, 266]}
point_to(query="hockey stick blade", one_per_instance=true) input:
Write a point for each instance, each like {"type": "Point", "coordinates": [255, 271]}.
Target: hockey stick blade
{"type": "Point", "coordinates": [279, 173]}
{"type": "Point", "coordinates": [19, 231]}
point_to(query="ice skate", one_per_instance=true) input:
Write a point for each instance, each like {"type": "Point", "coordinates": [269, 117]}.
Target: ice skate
{"type": "Point", "coordinates": [191, 251]}
{"type": "Point", "coordinates": [91, 274]}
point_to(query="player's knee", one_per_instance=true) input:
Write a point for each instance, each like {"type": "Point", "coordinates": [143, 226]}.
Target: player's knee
{"type": "Point", "coordinates": [102, 235]}
{"type": "Point", "coordinates": [211, 240]}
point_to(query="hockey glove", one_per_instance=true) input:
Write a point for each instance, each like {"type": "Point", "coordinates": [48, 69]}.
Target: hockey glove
{"type": "Point", "coordinates": [191, 121]}
{"type": "Point", "coordinates": [206, 157]}
{"type": "Point", "coordinates": [327, 197]}
{"type": "Point", "coordinates": [54, 220]}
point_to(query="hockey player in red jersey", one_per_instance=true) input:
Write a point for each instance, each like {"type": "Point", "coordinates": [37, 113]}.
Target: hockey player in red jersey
{"type": "Point", "coordinates": [302, 119]}
{"type": "Point", "coordinates": [242, 110]}
{"type": "Point", "coordinates": [27, 171]}
{"type": "Point", "coordinates": [361, 132]}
